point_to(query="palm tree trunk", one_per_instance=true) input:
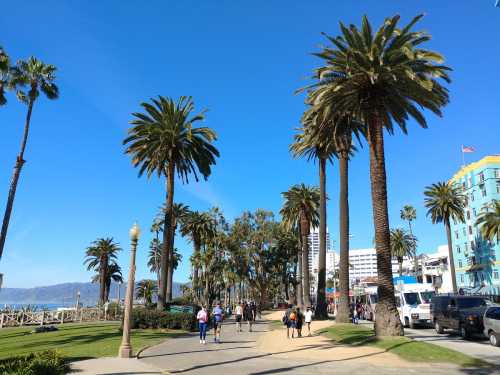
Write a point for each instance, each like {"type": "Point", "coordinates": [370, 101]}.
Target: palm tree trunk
{"type": "Point", "coordinates": [387, 317]}
{"type": "Point", "coordinates": [15, 178]}
{"type": "Point", "coordinates": [321, 305]}
{"type": "Point", "coordinates": [167, 242]}
{"type": "Point", "coordinates": [400, 262]}
{"type": "Point", "coordinates": [343, 306]}
{"type": "Point", "coordinates": [415, 259]}
{"type": "Point", "coordinates": [298, 287]}
{"type": "Point", "coordinates": [103, 266]}
{"type": "Point", "coordinates": [450, 256]}
{"type": "Point", "coordinates": [170, 273]}
{"type": "Point", "coordinates": [306, 282]}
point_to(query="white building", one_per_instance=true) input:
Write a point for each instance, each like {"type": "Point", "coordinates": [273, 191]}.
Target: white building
{"type": "Point", "coordinates": [435, 269]}
{"type": "Point", "coordinates": [314, 248]}
{"type": "Point", "coordinates": [363, 264]}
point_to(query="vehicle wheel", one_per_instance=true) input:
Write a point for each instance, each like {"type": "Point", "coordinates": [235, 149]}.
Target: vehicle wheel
{"type": "Point", "coordinates": [407, 322]}
{"type": "Point", "coordinates": [438, 327]}
{"type": "Point", "coordinates": [464, 333]}
{"type": "Point", "coordinates": [494, 339]}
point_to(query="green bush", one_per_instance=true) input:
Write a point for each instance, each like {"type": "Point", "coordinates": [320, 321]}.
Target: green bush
{"type": "Point", "coordinates": [42, 363]}
{"type": "Point", "coordinates": [146, 318]}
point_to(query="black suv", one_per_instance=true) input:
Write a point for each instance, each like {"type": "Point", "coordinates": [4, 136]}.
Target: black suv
{"type": "Point", "coordinates": [461, 313]}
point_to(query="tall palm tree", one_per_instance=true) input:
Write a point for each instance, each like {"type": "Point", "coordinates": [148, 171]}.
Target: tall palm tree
{"type": "Point", "coordinates": [301, 209]}
{"type": "Point", "coordinates": [180, 211]}
{"type": "Point", "coordinates": [402, 245]}
{"type": "Point", "coordinates": [145, 290]}
{"type": "Point", "coordinates": [489, 220]}
{"type": "Point", "coordinates": [36, 77]}
{"type": "Point", "coordinates": [154, 258]}
{"type": "Point", "coordinates": [444, 202]}
{"type": "Point", "coordinates": [113, 273]}
{"type": "Point", "coordinates": [98, 256]}
{"type": "Point", "coordinates": [409, 213]}
{"type": "Point", "coordinates": [382, 78]}
{"type": "Point", "coordinates": [165, 141]}
{"type": "Point", "coordinates": [317, 146]}
{"type": "Point", "coordinates": [4, 75]}
{"type": "Point", "coordinates": [198, 226]}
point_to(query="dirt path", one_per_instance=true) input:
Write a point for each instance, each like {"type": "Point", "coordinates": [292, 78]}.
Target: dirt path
{"type": "Point", "coordinates": [319, 347]}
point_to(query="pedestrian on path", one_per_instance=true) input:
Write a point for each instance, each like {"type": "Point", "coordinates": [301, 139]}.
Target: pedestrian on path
{"type": "Point", "coordinates": [239, 315]}
{"type": "Point", "coordinates": [248, 316]}
{"type": "Point", "coordinates": [286, 320]}
{"type": "Point", "coordinates": [299, 322]}
{"type": "Point", "coordinates": [308, 319]}
{"type": "Point", "coordinates": [202, 318]}
{"type": "Point", "coordinates": [293, 320]}
{"type": "Point", "coordinates": [218, 314]}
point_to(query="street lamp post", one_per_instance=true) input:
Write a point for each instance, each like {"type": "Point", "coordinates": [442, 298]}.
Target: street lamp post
{"type": "Point", "coordinates": [125, 350]}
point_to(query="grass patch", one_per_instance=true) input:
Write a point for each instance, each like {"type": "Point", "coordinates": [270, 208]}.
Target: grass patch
{"type": "Point", "coordinates": [77, 341]}
{"type": "Point", "coordinates": [404, 347]}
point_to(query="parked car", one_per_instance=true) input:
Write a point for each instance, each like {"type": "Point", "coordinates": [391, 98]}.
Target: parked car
{"type": "Point", "coordinates": [461, 313]}
{"type": "Point", "coordinates": [491, 322]}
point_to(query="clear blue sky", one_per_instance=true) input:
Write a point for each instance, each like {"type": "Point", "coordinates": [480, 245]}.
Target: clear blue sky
{"type": "Point", "coordinates": [242, 61]}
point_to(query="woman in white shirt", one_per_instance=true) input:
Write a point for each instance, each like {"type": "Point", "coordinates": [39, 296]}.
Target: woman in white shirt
{"type": "Point", "coordinates": [308, 319]}
{"type": "Point", "coordinates": [239, 313]}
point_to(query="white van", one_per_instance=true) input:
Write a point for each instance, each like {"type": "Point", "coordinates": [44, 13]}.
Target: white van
{"type": "Point", "coordinates": [413, 303]}
{"type": "Point", "coordinates": [370, 302]}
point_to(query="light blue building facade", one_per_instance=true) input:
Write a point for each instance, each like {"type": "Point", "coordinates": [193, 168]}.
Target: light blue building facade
{"type": "Point", "coordinates": [477, 262]}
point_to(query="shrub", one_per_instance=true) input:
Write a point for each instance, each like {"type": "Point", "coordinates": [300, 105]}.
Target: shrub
{"type": "Point", "coordinates": [41, 363]}
{"type": "Point", "coordinates": [146, 318]}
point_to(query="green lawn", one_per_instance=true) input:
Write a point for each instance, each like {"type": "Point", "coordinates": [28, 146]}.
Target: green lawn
{"type": "Point", "coordinates": [76, 341]}
{"type": "Point", "coordinates": [406, 348]}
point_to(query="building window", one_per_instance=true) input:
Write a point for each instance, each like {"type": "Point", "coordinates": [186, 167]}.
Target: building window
{"type": "Point", "coordinates": [464, 231]}
{"type": "Point", "coordinates": [466, 202]}
{"type": "Point", "coordinates": [495, 273]}
{"type": "Point", "coordinates": [470, 227]}
{"type": "Point", "coordinates": [482, 276]}
{"type": "Point", "coordinates": [468, 215]}
{"type": "Point", "coordinates": [466, 247]}
{"type": "Point", "coordinates": [472, 245]}
{"type": "Point", "coordinates": [498, 187]}
{"type": "Point", "coordinates": [469, 181]}
{"type": "Point", "coordinates": [454, 221]}
{"type": "Point", "coordinates": [463, 185]}
{"type": "Point", "coordinates": [456, 234]}
{"type": "Point", "coordinates": [483, 192]}
{"type": "Point", "coordinates": [472, 196]}
{"type": "Point", "coordinates": [481, 177]}
{"type": "Point", "coordinates": [497, 173]}
{"type": "Point", "coordinates": [462, 279]}
{"type": "Point", "coordinates": [458, 249]}
{"type": "Point", "coordinates": [460, 263]}
{"type": "Point", "coordinates": [474, 212]}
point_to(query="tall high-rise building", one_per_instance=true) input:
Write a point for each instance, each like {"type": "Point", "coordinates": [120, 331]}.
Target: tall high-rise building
{"type": "Point", "coordinates": [314, 248]}
{"type": "Point", "coordinates": [477, 262]}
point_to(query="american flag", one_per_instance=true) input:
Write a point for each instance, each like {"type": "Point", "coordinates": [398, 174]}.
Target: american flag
{"type": "Point", "coordinates": [467, 149]}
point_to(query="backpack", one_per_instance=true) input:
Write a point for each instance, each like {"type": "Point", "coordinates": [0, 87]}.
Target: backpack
{"type": "Point", "coordinates": [293, 315]}
{"type": "Point", "coordinates": [284, 319]}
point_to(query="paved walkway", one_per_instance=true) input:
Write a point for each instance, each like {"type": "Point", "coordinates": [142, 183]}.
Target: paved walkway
{"type": "Point", "coordinates": [113, 366]}
{"type": "Point", "coordinates": [241, 353]}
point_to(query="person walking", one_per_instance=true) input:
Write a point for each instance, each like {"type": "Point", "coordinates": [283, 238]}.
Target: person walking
{"type": "Point", "coordinates": [300, 322]}
{"type": "Point", "coordinates": [218, 318]}
{"type": "Point", "coordinates": [293, 321]}
{"type": "Point", "coordinates": [248, 315]}
{"type": "Point", "coordinates": [239, 315]}
{"type": "Point", "coordinates": [202, 318]}
{"type": "Point", "coordinates": [286, 320]}
{"type": "Point", "coordinates": [308, 319]}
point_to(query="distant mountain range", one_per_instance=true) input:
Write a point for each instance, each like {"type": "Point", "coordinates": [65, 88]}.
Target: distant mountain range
{"type": "Point", "coordinates": [64, 294]}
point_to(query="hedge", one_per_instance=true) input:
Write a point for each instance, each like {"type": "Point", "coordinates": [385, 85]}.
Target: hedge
{"type": "Point", "coordinates": [148, 318]}
{"type": "Point", "coordinates": [41, 363]}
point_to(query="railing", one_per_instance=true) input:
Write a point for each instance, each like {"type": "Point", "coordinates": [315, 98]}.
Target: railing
{"type": "Point", "coordinates": [22, 318]}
